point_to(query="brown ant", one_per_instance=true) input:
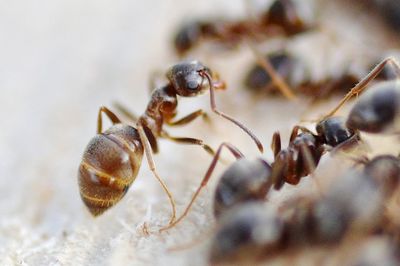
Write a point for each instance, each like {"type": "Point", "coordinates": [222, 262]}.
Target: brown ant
{"type": "Point", "coordinates": [251, 179]}
{"type": "Point", "coordinates": [280, 18]}
{"type": "Point", "coordinates": [112, 159]}
{"type": "Point", "coordinates": [254, 230]}
{"type": "Point", "coordinates": [285, 64]}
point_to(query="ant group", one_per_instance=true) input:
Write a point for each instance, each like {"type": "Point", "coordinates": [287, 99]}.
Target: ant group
{"type": "Point", "coordinates": [326, 220]}
{"type": "Point", "coordinates": [340, 212]}
{"type": "Point", "coordinates": [112, 158]}
{"type": "Point", "coordinates": [248, 180]}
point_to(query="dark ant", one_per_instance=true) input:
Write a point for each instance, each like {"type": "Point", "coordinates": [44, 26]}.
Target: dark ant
{"type": "Point", "coordinates": [376, 110]}
{"type": "Point", "coordinates": [251, 179]}
{"type": "Point", "coordinates": [258, 80]}
{"type": "Point", "coordinates": [112, 159]}
{"type": "Point", "coordinates": [281, 18]}
{"type": "Point", "coordinates": [252, 230]}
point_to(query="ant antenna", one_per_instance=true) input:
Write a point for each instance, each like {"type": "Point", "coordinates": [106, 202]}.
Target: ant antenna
{"type": "Point", "coordinates": [215, 110]}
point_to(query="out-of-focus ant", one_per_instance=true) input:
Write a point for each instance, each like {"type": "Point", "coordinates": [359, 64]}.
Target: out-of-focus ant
{"type": "Point", "coordinates": [376, 111]}
{"type": "Point", "coordinates": [285, 65]}
{"type": "Point", "coordinates": [112, 158]}
{"type": "Point", "coordinates": [282, 17]}
{"type": "Point", "coordinates": [254, 231]}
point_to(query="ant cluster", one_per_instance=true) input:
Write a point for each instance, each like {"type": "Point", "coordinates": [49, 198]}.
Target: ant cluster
{"type": "Point", "coordinates": [357, 205]}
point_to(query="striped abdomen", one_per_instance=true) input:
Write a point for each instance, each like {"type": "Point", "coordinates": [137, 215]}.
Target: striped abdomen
{"type": "Point", "coordinates": [109, 165]}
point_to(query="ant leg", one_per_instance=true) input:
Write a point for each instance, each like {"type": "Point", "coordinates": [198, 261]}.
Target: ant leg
{"type": "Point", "coordinates": [191, 141]}
{"type": "Point", "coordinates": [189, 118]}
{"type": "Point", "coordinates": [276, 78]}
{"type": "Point", "coordinates": [295, 132]}
{"type": "Point", "coordinates": [215, 110]}
{"type": "Point", "coordinates": [114, 119]}
{"type": "Point", "coordinates": [359, 87]}
{"type": "Point", "coordinates": [123, 110]}
{"type": "Point", "coordinates": [276, 143]}
{"type": "Point", "coordinates": [152, 166]}
{"type": "Point", "coordinates": [207, 176]}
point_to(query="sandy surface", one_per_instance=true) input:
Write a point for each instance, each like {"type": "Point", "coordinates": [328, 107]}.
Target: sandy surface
{"type": "Point", "coordinates": [61, 60]}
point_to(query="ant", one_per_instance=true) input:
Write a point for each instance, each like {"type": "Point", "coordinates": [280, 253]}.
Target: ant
{"type": "Point", "coordinates": [285, 64]}
{"type": "Point", "coordinates": [112, 158]}
{"type": "Point", "coordinates": [280, 18]}
{"type": "Point", "coordinates": [251, 179]}
{"type": "Point", "coordinates": [376, 110]}
{"type": "Point", "coordinates": [309, 221]}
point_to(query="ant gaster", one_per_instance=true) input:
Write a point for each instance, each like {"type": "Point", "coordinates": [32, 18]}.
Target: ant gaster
{"type": "Point", "coordinates": [112, 158]}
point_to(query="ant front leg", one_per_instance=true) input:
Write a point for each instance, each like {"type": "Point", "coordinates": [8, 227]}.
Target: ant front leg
{"type": "Point", "coordinates": [206, 178]}
{"type": "Point", "coordinates": [190, 141]}
{"type": "Point", "coordinates": [215, 110]}
{"type": "Point", "coordinates": [152, 166]}
{"type": "Point", "coordinates": [114, 119]}
{"type": "Point", "coordinates": [189, 118]}
{"type": "Point", "coordinates": [364, 82]}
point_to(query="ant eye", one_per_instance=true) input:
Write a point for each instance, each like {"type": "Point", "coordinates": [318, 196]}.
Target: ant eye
{"type": "Point", "coordinates": [193, 82]}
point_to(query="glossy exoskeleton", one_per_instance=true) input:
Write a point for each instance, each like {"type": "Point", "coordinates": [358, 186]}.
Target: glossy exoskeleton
{"type": "Point", "coordinates": [112, 159]}
{"type": "Point", "coordinates": [305, 149]}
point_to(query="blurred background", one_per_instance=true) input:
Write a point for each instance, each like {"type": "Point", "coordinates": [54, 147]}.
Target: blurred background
{"type": "Point", "coordinates": [61, 60]}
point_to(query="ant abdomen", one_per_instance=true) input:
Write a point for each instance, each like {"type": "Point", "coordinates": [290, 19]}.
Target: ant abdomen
{"type": "Point", "coordinates": [244, 180]}
{"type": "Point", "coordinates": [249, 228]}
{"type": "Point", "coordinates": [377, 109]}
{"type": "Point", "coordinates": [109, 165]}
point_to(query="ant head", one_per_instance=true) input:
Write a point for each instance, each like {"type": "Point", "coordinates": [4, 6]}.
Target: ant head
{"type": "Point", "coordinates": [189, 78]}
{"type": "Point", "coordinates": [334, 131]}
{"type": "Point", "coordinates": [375, 110]}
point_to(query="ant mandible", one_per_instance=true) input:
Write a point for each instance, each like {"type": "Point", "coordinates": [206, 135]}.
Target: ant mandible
{"type": "Point", "coordinates": [112, 158]}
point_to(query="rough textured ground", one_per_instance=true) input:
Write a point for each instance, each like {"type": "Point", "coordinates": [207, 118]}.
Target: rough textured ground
{"type": "Point", "coordinates": [61, 60]}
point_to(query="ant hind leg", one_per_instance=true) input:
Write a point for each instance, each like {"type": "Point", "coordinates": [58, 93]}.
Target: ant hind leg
{"type": "Point", "coordinates": [207, 176]}
{"type": "Point", "coordinates": [152, 166]}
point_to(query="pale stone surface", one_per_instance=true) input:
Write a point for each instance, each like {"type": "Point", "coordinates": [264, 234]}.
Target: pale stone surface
{"type": "Point", "coordinates": [61, 60]}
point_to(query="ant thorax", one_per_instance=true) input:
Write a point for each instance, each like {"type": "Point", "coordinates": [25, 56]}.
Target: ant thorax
{"type": "Point", "coordinates": [162, 105]}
